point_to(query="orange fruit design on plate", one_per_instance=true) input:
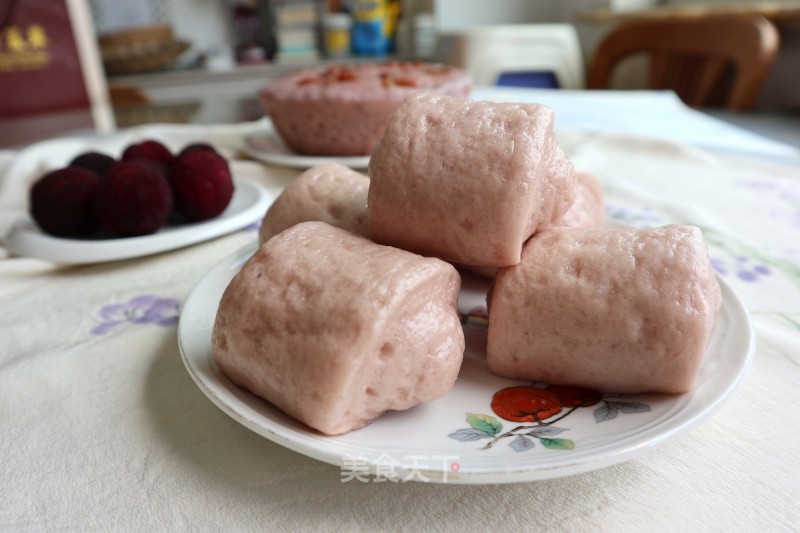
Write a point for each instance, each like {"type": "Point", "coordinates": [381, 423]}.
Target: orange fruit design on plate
{"type": "Point", "coordinates": [575, 396]}
{"type": "Point", "coordinates": [525, 404]}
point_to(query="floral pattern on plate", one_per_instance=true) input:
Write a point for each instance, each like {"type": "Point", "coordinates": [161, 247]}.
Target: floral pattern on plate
{"type": "Point", "coordinates": [541, 407]}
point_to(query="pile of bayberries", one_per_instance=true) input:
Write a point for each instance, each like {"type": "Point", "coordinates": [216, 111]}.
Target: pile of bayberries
{"type": "Point", "coordinates": [148, 187]}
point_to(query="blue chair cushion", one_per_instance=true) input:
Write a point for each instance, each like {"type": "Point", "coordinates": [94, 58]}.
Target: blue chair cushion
{"type": "Point", "coordinates": [539, 80]}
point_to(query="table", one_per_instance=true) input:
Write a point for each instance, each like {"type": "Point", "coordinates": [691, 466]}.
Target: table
{"type": "Point", "coordinates": [103, 429]}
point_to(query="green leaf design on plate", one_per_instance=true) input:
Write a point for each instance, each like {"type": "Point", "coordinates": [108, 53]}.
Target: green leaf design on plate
{"type": "Point", "coordinates": [557, 444]}
{"type": "Point", "coordinates": [487, 424]}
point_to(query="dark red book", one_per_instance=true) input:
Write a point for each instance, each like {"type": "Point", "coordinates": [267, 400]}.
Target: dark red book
{"type": "Point", "coordinates": [51, 79]}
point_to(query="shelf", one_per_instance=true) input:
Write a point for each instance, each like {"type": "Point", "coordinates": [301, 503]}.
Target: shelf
{"type": "Point", "coordinates": [181, 85]}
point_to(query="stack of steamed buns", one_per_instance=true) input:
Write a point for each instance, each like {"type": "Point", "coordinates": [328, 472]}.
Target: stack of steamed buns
{"type": "Point", "coordinates": [348, 308]}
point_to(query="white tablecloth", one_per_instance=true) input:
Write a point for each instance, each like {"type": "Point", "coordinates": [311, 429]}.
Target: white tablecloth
{"type": "Point", "coordinates": [103, 429]}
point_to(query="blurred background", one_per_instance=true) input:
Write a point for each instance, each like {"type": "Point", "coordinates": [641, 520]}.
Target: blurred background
{"type": "Point", "coordinates": [204, 61]}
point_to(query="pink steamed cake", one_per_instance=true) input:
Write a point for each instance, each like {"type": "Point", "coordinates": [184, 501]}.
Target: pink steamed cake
{"type": "Point", "coordinates": [334, 329]}
{"type": "Point", "coordinates": [330, 193]}
{"type": "Point", "coordinates": [467, 181]}
{"type": "Point", "coordinates": [343, 110]}
{"type": "Point", "coordinates": [622, 311]}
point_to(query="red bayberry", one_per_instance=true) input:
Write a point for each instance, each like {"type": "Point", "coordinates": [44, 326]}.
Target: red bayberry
{"type": "Point", "coordinates": [201, 184]}
{"type": "Point", "coordinates": [149, 150]}
{"type": "Point", "coordinates": [94, 162]}
{"type": "Point", "coordinates": [61, 202]}
{"type": "Point", "coordinates": [195, 147]}
{"type": "Point", "coordinates": [133, 199]}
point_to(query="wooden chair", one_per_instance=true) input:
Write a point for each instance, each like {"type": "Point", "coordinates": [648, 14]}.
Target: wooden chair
{"type": "Point", "coordinates": [694, 56]}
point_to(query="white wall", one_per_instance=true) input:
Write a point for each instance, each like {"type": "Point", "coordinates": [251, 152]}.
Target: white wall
{"type": "Point", "coordinates": [206, 23]}
{"type": "Point", "coordinates": [457, 14]}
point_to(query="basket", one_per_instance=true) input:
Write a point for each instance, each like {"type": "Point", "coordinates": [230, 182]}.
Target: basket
{"type": "Point", "coordinates": [140, 49]}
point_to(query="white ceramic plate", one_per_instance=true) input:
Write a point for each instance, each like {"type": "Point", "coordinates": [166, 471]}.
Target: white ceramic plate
{"type": "Point", "coordinates": [250, 201]}
{"type": "Point", "coordinates": [267, 146]}
{"type": "Point", "coordinates": [446, 440]}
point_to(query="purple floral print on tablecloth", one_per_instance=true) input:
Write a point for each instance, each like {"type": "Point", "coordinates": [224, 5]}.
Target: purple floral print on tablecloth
{"type": "Point", "coordinates": [144, 309]}
{"type": "Point", "coordinates": [784, 199]}
{"type": "Point", "coordinates": [640, 217]}
{"type": "Point", "coordinates": [743, 267]}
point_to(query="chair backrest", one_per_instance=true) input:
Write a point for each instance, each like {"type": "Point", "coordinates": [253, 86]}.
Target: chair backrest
{"type": "Point", "coordinates": [491, 51]}
{"type": "Point", "coordinates": [693, 56]}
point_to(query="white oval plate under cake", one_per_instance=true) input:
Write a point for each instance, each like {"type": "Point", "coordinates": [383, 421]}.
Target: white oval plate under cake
{"type": "Point", "coordinates": [249, 203]}
{"type": "Point", "coordinates": [267, 146]}
{"type": "Point", "coordinates": [458, 439]}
